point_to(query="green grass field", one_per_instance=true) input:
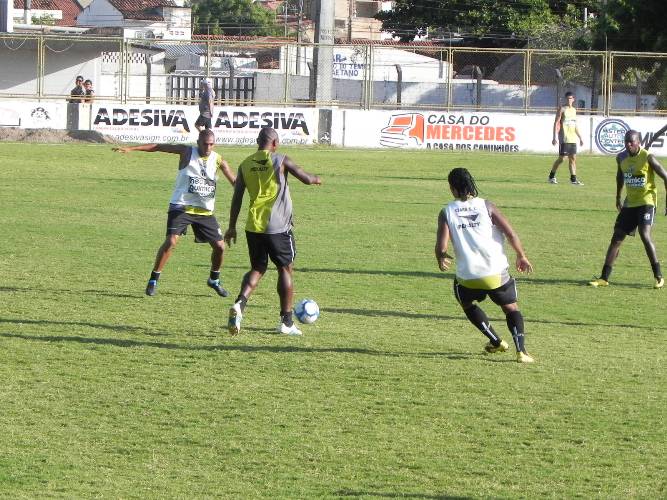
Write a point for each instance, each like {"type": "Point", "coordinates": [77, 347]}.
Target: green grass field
{"type": "Point", "coordinates": [108, 393]}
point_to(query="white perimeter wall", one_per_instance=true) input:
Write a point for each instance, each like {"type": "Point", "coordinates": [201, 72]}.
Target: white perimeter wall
{"type": "Point", "coordinates": [489, 132]}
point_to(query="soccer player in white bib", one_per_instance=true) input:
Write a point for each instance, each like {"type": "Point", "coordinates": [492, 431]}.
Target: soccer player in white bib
{"type": "Point", "coordinates": [477, 230]}
{"type": "Point", "coordinates": [192, 203]}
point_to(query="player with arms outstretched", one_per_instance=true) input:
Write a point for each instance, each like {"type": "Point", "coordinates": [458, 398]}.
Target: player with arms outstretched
{"type": "Point", "coordinates": [476, 228]}
{"type": "Point", "coordinates": [192, 203]}
{"type": "Point", "coordinates": [636, 171]}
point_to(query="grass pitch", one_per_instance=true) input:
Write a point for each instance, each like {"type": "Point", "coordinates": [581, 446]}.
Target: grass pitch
{"type": "Point", "coordinates": [108, 393]}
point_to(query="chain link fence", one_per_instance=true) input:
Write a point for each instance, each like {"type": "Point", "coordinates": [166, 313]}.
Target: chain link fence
{"type": "Point", "coordinates": [279, 73]}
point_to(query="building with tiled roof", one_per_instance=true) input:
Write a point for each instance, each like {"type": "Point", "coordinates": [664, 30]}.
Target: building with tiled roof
{"type": "Point", "coordinates": [62, 12]}
{"type": "Point", "coordinates": [167, 19]}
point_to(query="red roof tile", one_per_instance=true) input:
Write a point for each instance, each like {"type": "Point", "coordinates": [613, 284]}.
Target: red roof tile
{"type": "Point", "coordinates": [69, 8]}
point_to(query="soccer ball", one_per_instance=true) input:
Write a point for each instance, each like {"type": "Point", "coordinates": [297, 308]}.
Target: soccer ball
{"type": "Point", "coordinates": [307, 311]}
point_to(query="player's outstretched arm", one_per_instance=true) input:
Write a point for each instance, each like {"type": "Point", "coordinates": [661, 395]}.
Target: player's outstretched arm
{"type": "Point", "coordinates": [660, 170]}
{"type": "Point", "coordinates": [226, 170]}
{"type": "Point", "coordinates": [300, 173]}
{"type": "Point", "coordinates": [237, 201]}
{"type": "Point", "coordinates": [153, 148]}
{"type": "Point", "coordinates": [442, 242]}
{"type": "Point", "coordinates": [523, 265]}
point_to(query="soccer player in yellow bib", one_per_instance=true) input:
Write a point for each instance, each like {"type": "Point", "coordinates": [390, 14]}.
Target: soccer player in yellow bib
{"type": "Point", "coordinates": [477, 230]}
{"type": "Point", "coordinates": [565, 129]}
{"type": "Point", "coordinates": [268, 226]}
{"type": "Point", "coordinates": [636, 171]}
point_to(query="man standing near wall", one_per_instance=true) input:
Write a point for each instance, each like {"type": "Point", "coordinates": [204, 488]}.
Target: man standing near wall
{"type": "Point", "coordinates": [565, 129]}
{"type": "Point", "coordinates": [206, 98]}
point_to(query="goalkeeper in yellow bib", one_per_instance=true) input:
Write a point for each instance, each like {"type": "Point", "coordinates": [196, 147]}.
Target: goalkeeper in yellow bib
{"type": "Point", "coordinates": [268, 226]}
{"type": "Point", "coordinates": [565, 129]}
{"type": "Point", "coordinates": [636, 171]}
{"type": "Point", "coordinates": [477, 230]}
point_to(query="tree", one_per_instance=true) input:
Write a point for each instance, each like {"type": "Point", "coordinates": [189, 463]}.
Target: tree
{"type": "Point", "coordinates": [233, 17]}
{"type": "Point", "coordinates": [494, 23]}
{"type": "Point", "coordinates": [631, 25]}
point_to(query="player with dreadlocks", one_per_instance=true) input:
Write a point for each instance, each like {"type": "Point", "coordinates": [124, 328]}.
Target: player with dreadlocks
{"type": "Point", "coordinates": [477, 230]}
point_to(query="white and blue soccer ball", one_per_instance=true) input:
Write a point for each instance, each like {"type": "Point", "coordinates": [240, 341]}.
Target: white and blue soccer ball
{"type": "Point", "coordinates": [307, 311]}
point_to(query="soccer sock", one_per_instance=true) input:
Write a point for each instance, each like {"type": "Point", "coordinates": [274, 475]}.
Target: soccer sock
{"type": "Point", "coordinates": [478, 318]}
{"type": "Point", "coordinates": [241, 300]}
{"type": "Point", "coordinates": [656, 270]}
{"type": "Point", "coordinates": [155, 275]}
{"type": "Point", "coordinates": [515, 324]}
{"type": "Point", "coordinates": [552, 174]}
{"type": "Point", "coordinates": [606, 272]}
{"type": "Point", "coordinates": [286, 318]}
{"type": "Point", "coordinates": [573, 178]}
{"type": "Point", "coordinates": [214, 276]}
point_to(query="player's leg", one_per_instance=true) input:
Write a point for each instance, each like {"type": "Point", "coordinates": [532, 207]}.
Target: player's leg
{"type": "Point", "coordinates": [649, 246]}
{"type": "Point", "coordinates": [506, 297]}
{"type": "Point", "coordinates": [554, 167]}
{"type": "Point", "coordinates": [259, 260]}
{"type": "Point", "coordinates": [207, 230]}
{"type": "Point", "coordinates": [282, 251]}
{"type": "Point", "coordinates": [626, 224]}
{"type": "Point", "coordinates": [572, 163]}
{"type": "Point", "coordinates": [466, 298]}
{"type": "Point", "coordinates": [177, 225]}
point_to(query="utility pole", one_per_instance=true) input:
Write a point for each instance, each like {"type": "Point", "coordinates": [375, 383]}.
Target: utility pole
{"type": "Point", "coordinates": [350, 15]}
{"type": "Point", "coordinates": [323, 56]}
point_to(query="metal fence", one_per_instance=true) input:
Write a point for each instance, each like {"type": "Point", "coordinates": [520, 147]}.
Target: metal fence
{"type": "Point", "coordinates": [367, 76]}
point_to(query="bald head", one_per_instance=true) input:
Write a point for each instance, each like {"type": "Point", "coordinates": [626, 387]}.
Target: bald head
{"type": "Point", "coordinates": [632, 142]}
{"type": "Point", "coordinates": [631, 135]}
{"type": "Point", "coordinates": [266, 137]}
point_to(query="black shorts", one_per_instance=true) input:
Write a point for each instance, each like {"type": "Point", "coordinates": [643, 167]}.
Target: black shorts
{"type": "Point", "coordinates": [202, 121]}
{"type": "Point", "coordinates": [503, 295]}
{"type": "Point", "coordinates": [567, 149]}
{"type": "Point", "coordinates": [630, 217]}
{"type": "Point", "coordinates": [205, 227]}
{"type": "Point", "coordinates": [279, 247]}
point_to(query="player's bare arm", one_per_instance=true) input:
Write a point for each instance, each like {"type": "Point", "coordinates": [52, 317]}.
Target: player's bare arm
{"type": "Point", "coordinates": [226, 171]}
{"type": "Point", "coordinates": [660, 171]}
{"type": "Point", "coordinates": [442, 242]}
{"type": "Point", "coordinates": [178, 149]}
{"type": "Point", "coordinates": [523, 265]}
{"type": "Point", "coordinates": [300, 173]}
{"type": "Point", "coordinates": [237, 201]}
{"type": "Point", "coordinates": [619, 185]}
{"type": "Point", "coordinates": [559, 114]}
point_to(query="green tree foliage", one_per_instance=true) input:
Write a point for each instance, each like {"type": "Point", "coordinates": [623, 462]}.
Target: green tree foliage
{"type": "Point", "coordinates": [632, 25]}
{"type": "Point", "coordinates": [233, 17]}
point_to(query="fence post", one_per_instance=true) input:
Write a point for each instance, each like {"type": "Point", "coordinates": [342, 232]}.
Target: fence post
{"type": "Point", "coordinates": [477, 73]}
{"type": "Point", "coordinates": [559, 87]}
{"type": "Point", "coordinates": [638, 97]}
{"type": "Point", "coordinates": [399, 83]}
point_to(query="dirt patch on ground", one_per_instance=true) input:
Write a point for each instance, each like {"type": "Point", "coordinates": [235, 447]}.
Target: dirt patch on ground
{"type": "Point", "coordinates": [46, 135]}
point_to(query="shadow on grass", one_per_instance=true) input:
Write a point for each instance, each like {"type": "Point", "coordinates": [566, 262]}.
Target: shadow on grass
{"type": "Point", "coordinates": [412, 315]}
{"type": "Point", "coordinates": [104, 293]}
{"type": "Point", "coordinates": [115, 328]}
{"type": "Point", "coordinates": [350, 493]}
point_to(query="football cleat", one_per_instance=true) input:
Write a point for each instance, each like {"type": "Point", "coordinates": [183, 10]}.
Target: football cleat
{"type": "Point", "coordinates": [151, 288]}
{"type": "Point", "coordinates": [598, 282]}
{"type": "Point", "coordinates": [215, 284]}
{"type": "Point", "coordinates": [577, 183]}
{"type": "Point", "coordinates": [552, 180]}
{"type": "Point", "coordinates": [283, 329]}
{"type": "Point", "coordinates": [524, 357]}
{"type": "Point", "coordinates": [235, 317]}
{"type": "Point", "coordinates": [491, 349]}
{"type": "Point", "coordinates": [659, 282]}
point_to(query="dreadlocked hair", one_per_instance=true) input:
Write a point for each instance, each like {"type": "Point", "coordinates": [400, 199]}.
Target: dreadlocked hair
{"type": "Point", "coordinates": [462, 182]}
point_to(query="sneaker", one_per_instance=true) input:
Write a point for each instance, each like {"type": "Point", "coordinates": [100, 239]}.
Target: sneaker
{"type": "Point", "coordinates": [492, 349]}
{"type": "Point", "coordinates": [215, 284]}
{"type": "Point", "coordinates": [288, 330]}
{"type": "Point", "coordinates": [524, 357]}
{"type": "Point", "coordinates": [552, 180]}
{"type": "Point", "coordinates": [235, 317]}
{"type": "Point", "coordinates": [659, 282]}
{"type": "Point", "coordinates": [598, 282]}
{"type": "Point", "coordinates": [151, 288]}
{"type": "Point", "coordinates": [577, 183]}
